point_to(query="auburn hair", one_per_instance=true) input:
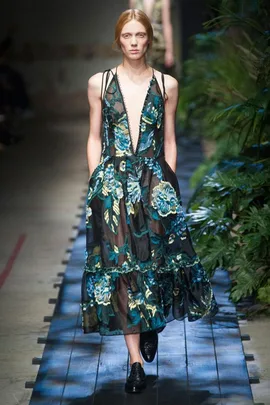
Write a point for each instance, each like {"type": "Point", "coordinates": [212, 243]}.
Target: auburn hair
{"type": "Point", "coordinates": [133, 14]}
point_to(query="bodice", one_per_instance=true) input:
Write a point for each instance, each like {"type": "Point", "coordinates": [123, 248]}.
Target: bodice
{"type": "Point", "coordinates": [117, 137]}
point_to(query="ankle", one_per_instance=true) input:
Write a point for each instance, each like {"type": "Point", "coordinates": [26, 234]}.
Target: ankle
{"type": "Point", "coordinates": [136, 360]}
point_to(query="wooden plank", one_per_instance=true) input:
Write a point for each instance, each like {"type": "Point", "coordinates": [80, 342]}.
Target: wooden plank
{"type": "Point", "coordinates": [52, 373]}
{"type": "Point", "coordinates": [203, 381]}
{"type": "Point", "coordinates": [172, 371]}
{"type": "Point", "coordinates": [83, 367]}
{"type": "Point", "coordinates": [231, 363]}
{"type": "Point", "coordinates": [112, 371]}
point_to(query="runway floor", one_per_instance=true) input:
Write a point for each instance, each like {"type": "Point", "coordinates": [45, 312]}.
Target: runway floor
{"type": "Point", "coordinates": [200, 362]}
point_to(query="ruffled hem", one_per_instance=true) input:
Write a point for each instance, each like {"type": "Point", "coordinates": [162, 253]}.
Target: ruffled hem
{"type": "Point", "coordinates": [137, 302]}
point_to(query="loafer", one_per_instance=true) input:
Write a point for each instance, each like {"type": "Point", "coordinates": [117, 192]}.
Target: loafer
{"type": "Point", "coordinates": [148, 345]}
{"type": "Point", "coordinates": [136, 382]}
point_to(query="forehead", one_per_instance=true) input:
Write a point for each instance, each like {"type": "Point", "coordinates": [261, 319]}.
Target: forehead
{"type": "Point", "coordinates": [133, 26]}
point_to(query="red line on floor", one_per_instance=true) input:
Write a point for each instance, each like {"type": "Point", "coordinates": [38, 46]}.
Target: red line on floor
{"type": "Point", "coordinates": [8, 267]}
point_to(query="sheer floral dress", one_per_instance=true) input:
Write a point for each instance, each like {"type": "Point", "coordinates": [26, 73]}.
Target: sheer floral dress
{"type": "Point", "coordinates": [141, 270]}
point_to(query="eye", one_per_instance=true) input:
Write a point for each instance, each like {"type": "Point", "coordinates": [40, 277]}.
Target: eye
{"type": "Point", "coordinates": [141, 34]}
{"type": "Point", "coordinates": [125, 36]}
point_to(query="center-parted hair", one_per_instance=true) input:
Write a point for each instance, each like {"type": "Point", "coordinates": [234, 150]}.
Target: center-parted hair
{"type": "Point", "coordinates": [133, 14]}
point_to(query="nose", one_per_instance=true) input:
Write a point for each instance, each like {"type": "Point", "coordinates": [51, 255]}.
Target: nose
{"type": "Point", "coordinates": [133, 41]}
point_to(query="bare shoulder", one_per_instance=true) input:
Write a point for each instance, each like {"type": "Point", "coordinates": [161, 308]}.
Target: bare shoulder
{"type": "Point", "coordinates": [94, 82]}
{"type": "Point", "coordinates": [170, 83]}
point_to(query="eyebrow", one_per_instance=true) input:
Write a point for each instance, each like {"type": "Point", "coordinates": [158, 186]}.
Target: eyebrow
{"type": "Point", "coordinates": [140, 32]}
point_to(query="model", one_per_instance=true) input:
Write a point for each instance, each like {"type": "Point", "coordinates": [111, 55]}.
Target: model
{"type": "Point", "coordinates": [141, 270]}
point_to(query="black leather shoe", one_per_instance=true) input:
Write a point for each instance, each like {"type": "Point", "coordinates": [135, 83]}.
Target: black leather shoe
{"type": "Point", "coordinates": [148, 345]}
{"type": "Point", "coordinates": [136, 382]}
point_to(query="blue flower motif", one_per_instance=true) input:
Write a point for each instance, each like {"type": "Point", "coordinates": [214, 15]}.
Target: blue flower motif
{"type": "Point", "coordinates": [178, 226]}
{"type": "Point", "coordinates": [122, 140]}
{"type": "Point", "coordinates": [133, 188]}
{"type": "Point", "coordinates": [102, 290]}
{"type": "Point", "coordinates": [90, 286]}
{"type": "Point", "coordinates": [155, 166]}
{"type": "Point", "coordinates": [111, 186]}
{"type": "Point", "coordinates": [164, 199]}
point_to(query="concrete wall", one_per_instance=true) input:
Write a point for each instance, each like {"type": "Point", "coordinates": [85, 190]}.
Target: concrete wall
{"type": "Point", "coordinates": [59, 44]}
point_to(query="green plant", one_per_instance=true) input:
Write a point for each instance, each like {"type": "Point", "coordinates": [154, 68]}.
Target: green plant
{"type": "Point", "coordinates": [230, 222]}
{"type": "Point", "coordinates": [225, 96]}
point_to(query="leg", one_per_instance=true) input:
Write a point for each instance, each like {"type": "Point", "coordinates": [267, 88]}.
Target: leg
{"type": "Point", "coordinates": [133, 345]}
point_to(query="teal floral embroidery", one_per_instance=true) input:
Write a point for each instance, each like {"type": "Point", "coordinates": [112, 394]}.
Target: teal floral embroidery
{"type": "Point", "coordinates": [112, 190]}
{"type": "Point", "coordinates": [95, 182]}
{"type": "Point", "coordinates": [164, 199]}
{"type": "Point", "coordinates": [122, 139]}
{"type": "Point", "coordinates": [111, 186]}
{"type": "Point", "coordinates": [178, 225]}
{"type": "Point", "coordinates": [136, 300]}
{"type": "Point", "coordinates": [151, 114]}
{"type": "Point", "coordinates": [153, 165]}
{"type": "Point", "coordinates": [146, 140]}
{"type": "Point", "coordinates": [139, 259]}
{"type": "Point", "coordinates": [102, 290]}
{"type": "Point", "coordinates": [143, 127]}
{"type": "Point", "coordinates": [133, 189]}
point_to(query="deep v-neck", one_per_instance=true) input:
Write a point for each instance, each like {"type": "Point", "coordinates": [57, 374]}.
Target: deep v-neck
{"type": "Point", "coordinates": [135, 150]}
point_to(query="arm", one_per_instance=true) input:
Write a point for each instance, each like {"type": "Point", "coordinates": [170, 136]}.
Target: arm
{"type": "Point", "coordinates": [94, 145]}
{"type": "Point", "coordinates": [168, 33]}
{"type": "Point", "coordinates": [170, 147]}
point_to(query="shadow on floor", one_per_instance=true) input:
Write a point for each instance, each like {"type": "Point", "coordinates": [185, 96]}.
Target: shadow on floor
{"type": "Point", "coordinates": [166, 391]}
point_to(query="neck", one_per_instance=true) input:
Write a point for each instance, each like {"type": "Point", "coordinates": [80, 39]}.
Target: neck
{"type": "Point", "coordinates": [134, 68]}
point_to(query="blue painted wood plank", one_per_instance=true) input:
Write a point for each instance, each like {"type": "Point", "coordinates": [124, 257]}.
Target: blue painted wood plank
{"type": "Point", "coordinates": [231, 364]}
{"type": "Point", "coordinates": [172, 371]}
{"type": "Point", "coordinates": [112, 371]}
{"type": "Point", "coordinates": [201, 361]}
{"type": "Point", "coordinates": [83, 368]}
{"type": "Point", "coordinates": [50, 382]}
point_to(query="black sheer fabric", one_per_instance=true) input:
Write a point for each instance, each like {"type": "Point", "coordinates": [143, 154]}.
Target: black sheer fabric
{"type": "Point", "coordinates": [141, 270]}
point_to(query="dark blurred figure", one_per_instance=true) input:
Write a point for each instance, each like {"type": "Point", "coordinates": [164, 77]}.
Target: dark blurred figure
{"type": "Point", "coordinates": [159, 12]}
{"type": "Point", "coordinates": [14, 101]}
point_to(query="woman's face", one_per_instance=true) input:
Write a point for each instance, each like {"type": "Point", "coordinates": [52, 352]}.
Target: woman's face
{"type": "Point", "coordinates": [134, 40]}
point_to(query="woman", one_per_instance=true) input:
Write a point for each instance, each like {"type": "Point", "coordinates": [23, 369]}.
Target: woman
{"type": "Point", "coordinates": [159, 12]}
{"type": "Point", "coordinates": [140, 270]}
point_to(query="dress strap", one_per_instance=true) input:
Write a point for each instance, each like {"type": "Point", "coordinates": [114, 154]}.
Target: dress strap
{"type": "Point", "coordinates": [163, 84]}
{"type": "Point", "coordinates": [103, 88]}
